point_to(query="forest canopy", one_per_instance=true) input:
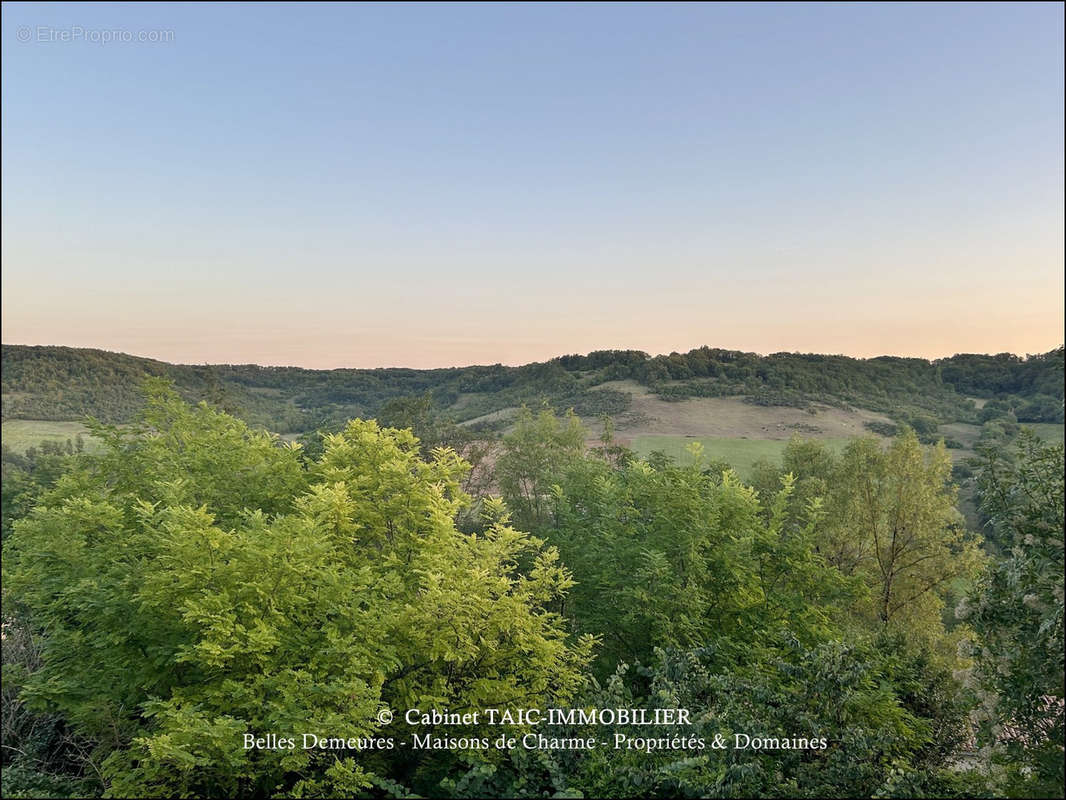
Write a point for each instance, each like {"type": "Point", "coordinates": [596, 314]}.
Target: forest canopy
{"type": "Point", "coordinates": [196, 581]}
{"type": "Point", "coordinates": [62, 383]}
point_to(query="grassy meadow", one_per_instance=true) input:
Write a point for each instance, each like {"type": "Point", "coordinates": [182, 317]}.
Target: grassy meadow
{"type": "Point", "coordinates": [1048, 431]}
{"type": "Point", "coordinates": [742, 454]}
{"type": "Point", "coordinates": [20, 434]}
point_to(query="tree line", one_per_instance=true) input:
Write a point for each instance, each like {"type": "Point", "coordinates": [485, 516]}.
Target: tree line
{"type": "Point", "coordinates": [61, 383]}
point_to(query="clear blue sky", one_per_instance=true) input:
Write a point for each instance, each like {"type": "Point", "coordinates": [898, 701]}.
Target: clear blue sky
{"type": "Point", "coordinates": [427, 185]}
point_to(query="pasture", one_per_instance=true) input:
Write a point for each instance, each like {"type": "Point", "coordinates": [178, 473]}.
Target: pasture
{"type": "Point", "coordinates": [1048, 431]}
{"type": "Point", "coordinates": [742, 454]}
{"type": "Point", "coordinates": [20, 434]}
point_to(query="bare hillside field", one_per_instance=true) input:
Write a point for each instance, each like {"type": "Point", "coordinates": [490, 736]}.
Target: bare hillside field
{"type": "Point", "coordinates": [732, 418]}
{"type": "Point", "coordinates": [493, 416]}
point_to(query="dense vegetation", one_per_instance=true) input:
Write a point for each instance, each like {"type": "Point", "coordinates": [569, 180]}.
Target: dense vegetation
{"type": "Point", "coordinates": [196, 580]}
{"type": "Point", "coordinates": [60, 383]}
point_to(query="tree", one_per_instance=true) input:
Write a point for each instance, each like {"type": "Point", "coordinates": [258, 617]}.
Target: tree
{"type": "Point", "coordinates": [198, 583]}
{"type": "Point", "coordinates": [533, 454]}
{"type": "Point", "coordinates": [865, 713]}
{"type": "Point", "coordinates": [680, 556]}
{"type": "Point", "coordinates": [892, 520]}
{"type": "Point", "coordinates": [1017, 611]}
{"type": "Point", "coordinates": [435, 429]}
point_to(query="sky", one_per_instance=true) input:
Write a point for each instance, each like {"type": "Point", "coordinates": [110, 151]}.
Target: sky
{"type": "Point", "coordinates": [434, 185]}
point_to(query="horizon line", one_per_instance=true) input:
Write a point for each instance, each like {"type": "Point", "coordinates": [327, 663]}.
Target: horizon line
{"type": "Point", "coordinates": [527, 363]}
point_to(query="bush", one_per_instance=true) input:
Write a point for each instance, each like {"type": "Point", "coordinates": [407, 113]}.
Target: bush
{"type": "Point", "coordinates": [881, 428]}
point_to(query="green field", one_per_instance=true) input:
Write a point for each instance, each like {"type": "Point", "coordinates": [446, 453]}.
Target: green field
{"type": "Point", "coordinates": [740, 453]}
{"type": "Point", "coordinates": [1048, 431]}
{"type": "Point", "coordinates": [19, 434]}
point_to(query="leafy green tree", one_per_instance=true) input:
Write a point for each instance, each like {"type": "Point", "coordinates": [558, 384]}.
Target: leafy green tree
{"type": "Point", "coordinates": [675, 555]}
{"type": "Point", "coordinates": [534, 453]}
{"type": "Point", "coordinates": [435, 429]}
{"type": "Point", "coordinates": [24, 477]}
{"type": "Point", "coordinates": [892, 520]}
{"type": "Point", "coordinates": [871, 707]}
{"type": "Point", "coordinates": [197, 583]}
{"type": "Point", "coordinates": [812, 466]}
{"type": "Point", "coordinates": [1017, 612]}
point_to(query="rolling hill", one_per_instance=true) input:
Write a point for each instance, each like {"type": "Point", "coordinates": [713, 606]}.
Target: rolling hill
{"type": "Point", "coordinates": [708, 393]}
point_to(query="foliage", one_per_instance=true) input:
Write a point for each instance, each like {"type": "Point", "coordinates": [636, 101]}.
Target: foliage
{"type": "Point", "coordinates": [877, 733]}
{"type": "Point", "coordinates": [1017, 610]}
{"type": "Point", "coordinates": [41, 756]}
{"type": "Point", "coordinates": [683, 553]}
{"type": "Point", "coordinates": [26, 475]}
{"type": "Point", "coordinates": [61, 383]}
{"type": "Point", "coordinates": [891, 520]}
{"type": "Point", "coordinates": [434, 429]}
{"type": "Point", "coordinates": [198, 582]}
{"type": "Point", "coordinates": [533, 454]}
{"type": "Point", "coordinates": [881, 428]}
